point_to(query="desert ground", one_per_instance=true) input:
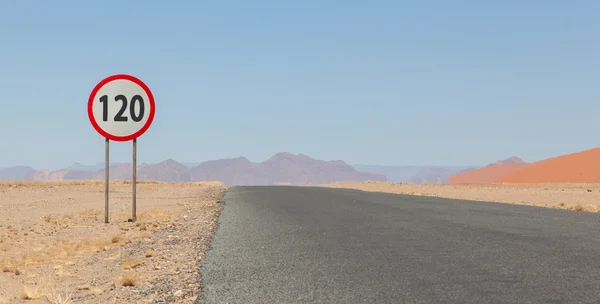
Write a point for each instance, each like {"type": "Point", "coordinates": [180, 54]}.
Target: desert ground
{"type": "Point", "coordinates": [578, 197]}
{"type": "Point", "coordinates": [56, 248]}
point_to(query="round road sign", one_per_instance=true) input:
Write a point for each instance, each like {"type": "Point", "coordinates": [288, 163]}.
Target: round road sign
{"type": "Point", "coordinates": [121, 107]}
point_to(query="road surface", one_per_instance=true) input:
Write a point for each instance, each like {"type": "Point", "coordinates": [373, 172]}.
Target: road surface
{"type": "Point", "coordinates": [286, 244]}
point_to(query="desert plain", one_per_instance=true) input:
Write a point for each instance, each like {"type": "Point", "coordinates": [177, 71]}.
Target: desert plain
{"type": "Point", "coordinates": [55, 247]}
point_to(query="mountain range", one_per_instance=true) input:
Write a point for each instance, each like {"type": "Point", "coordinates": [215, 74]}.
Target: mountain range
{"type": "Point", "coordinates": [299, 169]}
{"type": "Point", "coordinates": [281, 168]}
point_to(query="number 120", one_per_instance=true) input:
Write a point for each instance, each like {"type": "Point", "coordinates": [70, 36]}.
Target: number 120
{"type": "Point", "coordinates": [119, 116]}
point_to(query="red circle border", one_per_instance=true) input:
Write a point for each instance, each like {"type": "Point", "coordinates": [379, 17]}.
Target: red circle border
{"type": "Point", "coordinates": [102, 83]}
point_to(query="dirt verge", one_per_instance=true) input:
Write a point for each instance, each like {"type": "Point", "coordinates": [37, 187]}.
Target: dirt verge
{"type": "Point", "coordinates": [56, 248]}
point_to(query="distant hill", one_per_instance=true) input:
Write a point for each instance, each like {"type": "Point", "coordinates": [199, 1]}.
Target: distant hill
{"type": "Point", "coordinates": [489, 173]}
{"type": "Point", "coordinates": [16, 173]}
{"type": "Point", "coordinates": [166, 171]}
{"type": "Point", "coordinates": [510, 160]}
{"type": "Point", "coordinates": [415, 174]}
{"type": "Point", "coordinates": [118, 172]}
{"type": "Point", "coordinates": [282, 168]}
{"type": "Point", "coordinates": [579, 167]}
{"type": "Point", "coordinates": [86, 168]}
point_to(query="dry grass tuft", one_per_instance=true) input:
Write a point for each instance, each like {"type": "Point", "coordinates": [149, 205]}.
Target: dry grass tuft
{"type": "Point", "coordinates": [7, 266]}
{"type": "Point", "coordinates": [61, 273]}
{"type": "Point", "coordinates": [577, 207]}
{"type": "Point", "coordinates": [132, 263]}
{"type": "Point", "coordinates": [115, 239]}
{"type": "Point", "coordinates": [55, 297]}
{"type": "Point", "coordinates": [155, 215]}
{"type": "Point", "coordinates": [47, 291]}
{"type": "Point", "coordinates": [149, 253]}
{"type": "Point", "coordinates": [87, 214]}
{"type": "Point", "coordinates": [129, 279]}
{"type": "Point", "coordinates": [57, 250]}
{"type": "Point", "coordinates": [113, 258]}
{"type": "Point", "coordinates": [29, 293]}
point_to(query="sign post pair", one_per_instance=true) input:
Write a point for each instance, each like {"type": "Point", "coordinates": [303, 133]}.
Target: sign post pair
{"type": "Point", "coordinates": [121, 108]}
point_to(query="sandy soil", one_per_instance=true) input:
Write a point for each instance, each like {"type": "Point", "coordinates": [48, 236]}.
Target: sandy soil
{"type": "Point", "coordinates": [56, 248]}
{"type": "Point", "coordinates": [579, 197]}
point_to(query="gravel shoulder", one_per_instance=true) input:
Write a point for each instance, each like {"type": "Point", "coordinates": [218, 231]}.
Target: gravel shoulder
{"type": "Point", "coordinates": [56, 248]}
{"type": "Point", "coordinates": [579, 197]}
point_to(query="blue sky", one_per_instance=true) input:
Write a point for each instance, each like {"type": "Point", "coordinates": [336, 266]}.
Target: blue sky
{"type": "Point", "coordinates": [379, 82]}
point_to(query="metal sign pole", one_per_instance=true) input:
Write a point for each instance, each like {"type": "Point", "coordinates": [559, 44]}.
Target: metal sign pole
{"type": "Point", "coordinates": [134, 181]}
{"type": "Point", "coordinates": [106, 183]}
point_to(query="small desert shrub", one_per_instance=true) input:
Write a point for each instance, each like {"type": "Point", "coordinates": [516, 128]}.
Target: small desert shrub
{"type": "Point", "coordinates": [129, 279]}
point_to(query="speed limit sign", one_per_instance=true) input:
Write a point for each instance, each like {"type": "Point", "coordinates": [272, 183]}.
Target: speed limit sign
{"type": "Point", "coordinates": [121, 107]}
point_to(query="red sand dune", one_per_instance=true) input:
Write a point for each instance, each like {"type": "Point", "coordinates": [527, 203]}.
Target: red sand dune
{"type": "Point", "coordinates": [579, 167]}
{"type": "Point", "coordinates": [485, 175]}
{"type": "Point", "coordinates": [488, 174]}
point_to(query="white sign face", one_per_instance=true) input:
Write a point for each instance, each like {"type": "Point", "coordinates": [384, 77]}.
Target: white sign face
{"type": "Point", "coordinates": [122, 108]}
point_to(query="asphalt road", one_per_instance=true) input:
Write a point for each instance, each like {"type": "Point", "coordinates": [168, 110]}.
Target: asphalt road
{"type": "Point", "coordinates": [316, 245]}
